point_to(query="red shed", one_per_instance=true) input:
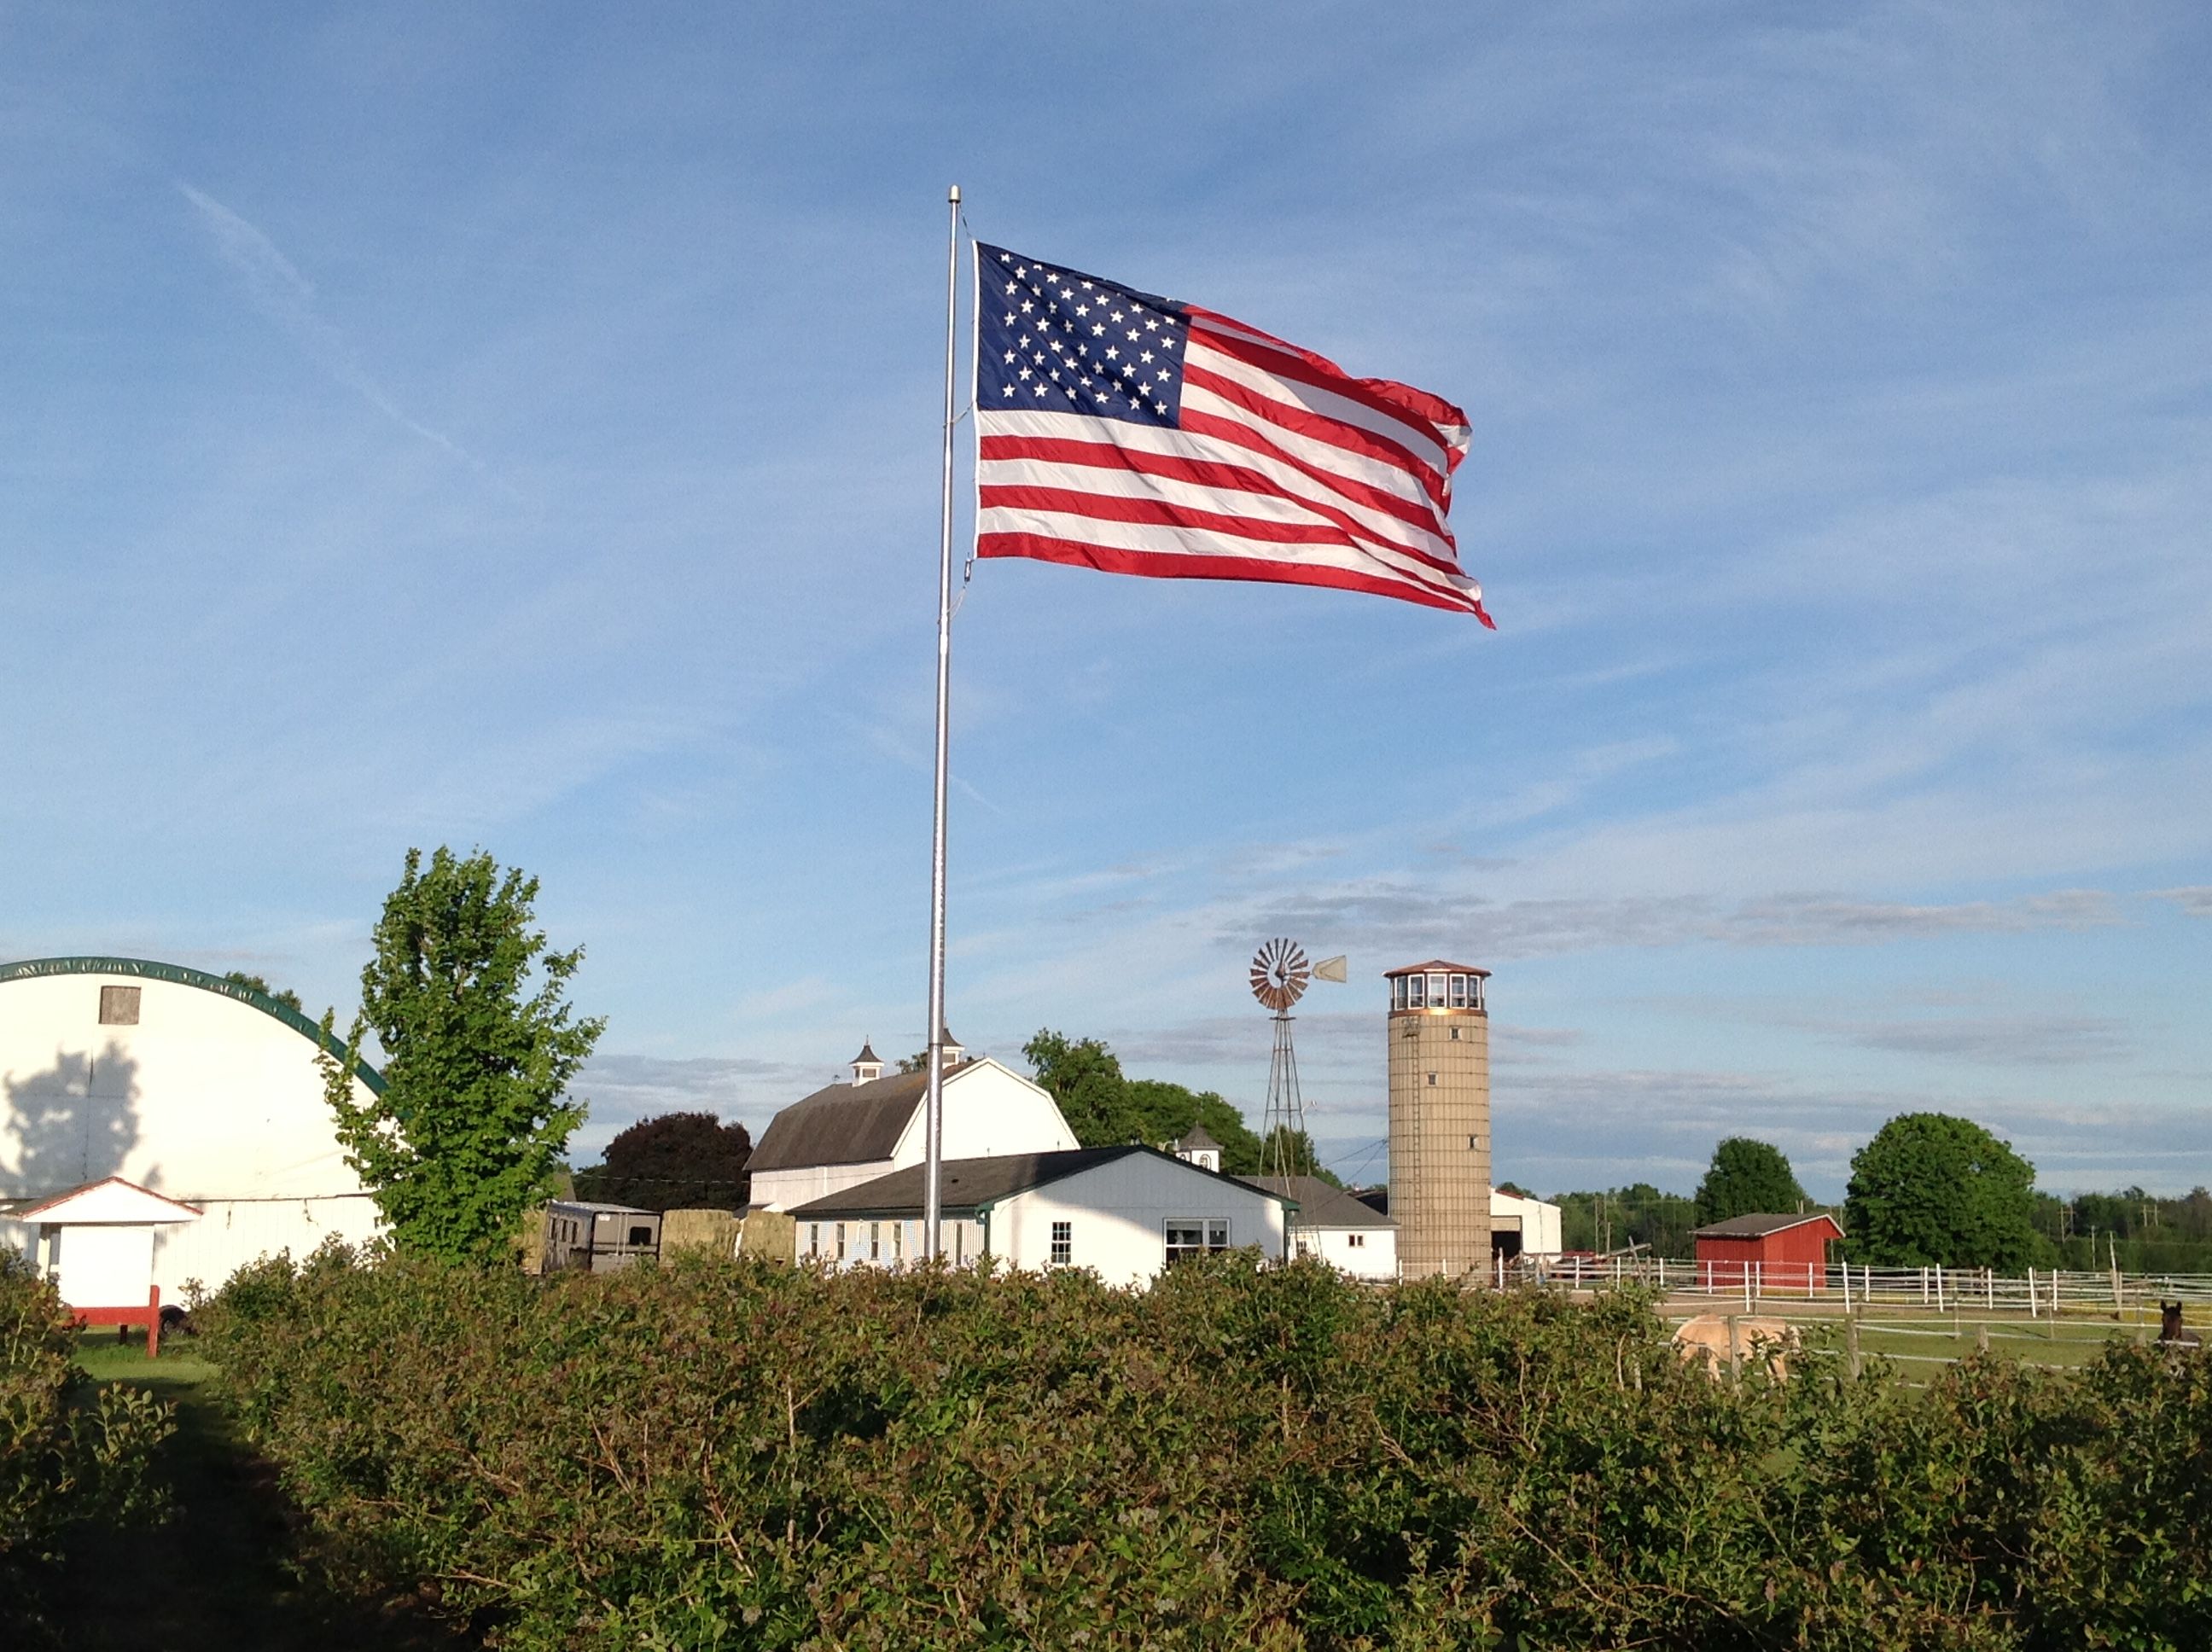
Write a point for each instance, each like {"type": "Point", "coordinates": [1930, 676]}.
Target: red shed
{"type": "Point", "coordinates": [1780, 1253]}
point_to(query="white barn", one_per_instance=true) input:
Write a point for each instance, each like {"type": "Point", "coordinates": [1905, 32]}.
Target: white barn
{"type": "Point", "coordinates": [1124, 1213]}
{"type": "Point", "coordinates": [849, 1134]}
{"type": "Point", "coordinates": [187, 1085]}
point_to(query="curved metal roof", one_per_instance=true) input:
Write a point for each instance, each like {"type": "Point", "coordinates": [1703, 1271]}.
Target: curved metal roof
{"type": "Point", "coordinates": [184, 975]}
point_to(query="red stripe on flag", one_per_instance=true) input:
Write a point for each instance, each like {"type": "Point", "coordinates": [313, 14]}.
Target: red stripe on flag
{"type": "Point", "coordinates": [1214, 473]}
{"type": "Point", "coordinates": [1353, 438]}
{"type": "Point", "coordinates": [1181, 565]}
{"type": "Point", "coordinates": [1299, 367]}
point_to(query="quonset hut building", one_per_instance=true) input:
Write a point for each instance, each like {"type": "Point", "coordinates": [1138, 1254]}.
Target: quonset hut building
{"type": "Point", "coordinates": [182, 1084]}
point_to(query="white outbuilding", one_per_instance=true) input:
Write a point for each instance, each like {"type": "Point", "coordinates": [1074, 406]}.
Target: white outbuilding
{"type": "Point", "coordinates": [194, 1090]}
{"type": "Point", "coordinates": [1124, 1213]}
{"type": "Point", "coordinates": [1342, 1230]}
{"type": "Point", "coordinates": [849, 1133]}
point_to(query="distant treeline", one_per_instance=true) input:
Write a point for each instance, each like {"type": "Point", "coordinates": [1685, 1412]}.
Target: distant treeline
{"type": "Point", "coordinates": [2149, 1234]}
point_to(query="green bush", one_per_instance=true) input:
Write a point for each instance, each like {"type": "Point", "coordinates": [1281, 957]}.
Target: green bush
{"type": "Point", "coordinates": [726, 1453]}
{"type": "Point", "coordinates": [71, 1454]}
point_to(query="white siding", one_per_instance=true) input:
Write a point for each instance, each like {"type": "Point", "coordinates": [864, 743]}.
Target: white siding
{"type": "Point", "coordinates": [1118, 1215]}
{"type": "Point", "coordinates": [989, 1111]}
{"type": "Point", "coordinates": [1375, 1256]}
{"type": "Point", "coordinates": [104, 1266]}
{"type": "Point", "coordinates": [787, 1189]}
{"type": "Point", "coordinates": [1539, 1222]}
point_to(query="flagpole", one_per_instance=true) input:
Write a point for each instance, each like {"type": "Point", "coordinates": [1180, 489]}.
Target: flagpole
{"type": "Point", "coordinates": [933, 1170]}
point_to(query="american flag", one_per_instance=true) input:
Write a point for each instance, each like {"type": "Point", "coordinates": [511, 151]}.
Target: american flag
{"type": "Point", "coordinates": [1139, 435]}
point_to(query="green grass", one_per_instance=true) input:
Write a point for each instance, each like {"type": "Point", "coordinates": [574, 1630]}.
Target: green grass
{"type": "Point", "coordinates": [223, 1571]}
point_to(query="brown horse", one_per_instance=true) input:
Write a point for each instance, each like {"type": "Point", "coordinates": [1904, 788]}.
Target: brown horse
{"type": "Point", "coordinates": [2172, 1333]}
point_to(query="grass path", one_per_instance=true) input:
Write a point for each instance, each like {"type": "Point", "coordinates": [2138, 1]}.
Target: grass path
{"type": "Point", "coordinates": [219, 1573]}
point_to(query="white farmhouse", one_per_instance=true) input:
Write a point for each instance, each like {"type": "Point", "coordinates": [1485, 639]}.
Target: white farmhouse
{"type": "Point", "coordinates": [188, 1086]}
{"type": "Point", "coordinates": [849, 1134]}
{"type": "Point", "coordinates": [1124, 1213]}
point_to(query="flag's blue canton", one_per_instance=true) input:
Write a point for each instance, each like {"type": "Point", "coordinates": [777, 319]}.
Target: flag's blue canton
{"type": "Point", "coordinates": [1053, 340]}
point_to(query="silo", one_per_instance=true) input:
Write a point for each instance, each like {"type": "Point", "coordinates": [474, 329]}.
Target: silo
{"type": "Point", "coordinates": [1440, 1119]}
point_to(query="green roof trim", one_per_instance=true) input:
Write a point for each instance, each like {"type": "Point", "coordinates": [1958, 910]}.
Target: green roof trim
{"type": "Point", "coordinates": [184, 975]}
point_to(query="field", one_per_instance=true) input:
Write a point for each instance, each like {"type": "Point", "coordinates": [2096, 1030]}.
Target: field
{"type": "Point", "coordinates": [1917, 1342]}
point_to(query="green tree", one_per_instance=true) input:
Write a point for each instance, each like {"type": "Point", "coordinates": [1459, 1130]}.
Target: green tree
{"type": "Point", "coordinates": [479, 1047]}
{"type": "Point", "coordinates": [1281, 1146]}
{"type": "Point", "coordinates": [1933, 1190]}
{"type": "Point", "coordinates": [1747, 1177]}
{"type": "Point", "coordinates": [675, 1162]}
{"type": "Point", "coordinates": [1104, 1108]}
{"type": "Point", "coordinates": [287, 998]}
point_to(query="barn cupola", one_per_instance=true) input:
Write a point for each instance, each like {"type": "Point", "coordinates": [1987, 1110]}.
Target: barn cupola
{"type": "Point", "coordinates": [1198, 1148]}
{"type": "Point", "coordinates": [867, 1067]}
{"type": "Point", "coordinates": [955, 1051]}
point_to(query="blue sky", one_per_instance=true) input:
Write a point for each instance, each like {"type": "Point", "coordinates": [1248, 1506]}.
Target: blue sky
{"type": "Point", "coordinates": [516, 427]}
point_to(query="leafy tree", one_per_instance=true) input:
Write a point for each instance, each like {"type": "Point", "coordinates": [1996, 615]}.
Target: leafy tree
{"type": "Point", "coordinates": [1747, 1177]}
{"type": "Point", "coordinates": [1931, 1190]}
{"type": "Point", "coordinates": [287, 998]}
{"type": "Point", "coordinates": [478, 1052]}
{"type": "Point", "coordinates": [1281, 1146]}
{"type": "Point", "coordinates": [677, 1162]}
{"type": "Point", "coordinates": [1105, 1108]}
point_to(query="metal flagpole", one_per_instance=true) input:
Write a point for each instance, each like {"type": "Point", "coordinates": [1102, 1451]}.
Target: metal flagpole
{"type": "Point", "coordinates": [933, 1171]}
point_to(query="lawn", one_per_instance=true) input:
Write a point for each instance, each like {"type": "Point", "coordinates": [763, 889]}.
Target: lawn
{"type": "Point", "coordinates": [219, 1574]}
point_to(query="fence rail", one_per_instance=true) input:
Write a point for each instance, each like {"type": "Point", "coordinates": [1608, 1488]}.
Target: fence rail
{"type": "Point", "coordinates": [2039, 1293]}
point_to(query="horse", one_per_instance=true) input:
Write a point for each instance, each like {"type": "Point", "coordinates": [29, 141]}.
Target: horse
{"type": "Point", "coordinates": [2172, 1333]}
{"type": "Point", "coordinates": [1705, 1338]}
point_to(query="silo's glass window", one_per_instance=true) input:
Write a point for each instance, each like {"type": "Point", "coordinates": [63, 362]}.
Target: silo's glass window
{"type": "Point", "coordinates": [1436, 990]}
{"type": "Point", "coordinates": [1459, 992]}
{"type": "Point", "coordinates": [1414, 998]}
{"type": "Point", "coordinates": [1398, 993]}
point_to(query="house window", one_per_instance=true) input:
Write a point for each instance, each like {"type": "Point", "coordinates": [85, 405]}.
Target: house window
{"type": "Point", "coordinates": [840, 1241]}
{"type": "Point", "coordinates": [118, 1006]}
{"type": "Point", "coordinates": [1063, 1243]}
{"type": "Point", "coordinates": [1356, 1240]}
{"type": "Point", "coordinates": [813, 1238]}
{"type": "Point", "coordinates": [875, 1242]}
{"type": "Point", "coordinates": [1189, 1236]}
{"type": "Point", "coordinates": [898, 1241]}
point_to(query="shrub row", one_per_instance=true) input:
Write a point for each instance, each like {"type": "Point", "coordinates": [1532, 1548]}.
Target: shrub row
{"type": "Point", "coordinates": [71, 1454]}
{"type": "Point", "coordinates": [727, 1452]}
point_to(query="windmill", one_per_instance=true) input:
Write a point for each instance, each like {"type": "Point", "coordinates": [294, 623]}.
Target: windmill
{"type": "Point", "coordinates": [1281, 975]}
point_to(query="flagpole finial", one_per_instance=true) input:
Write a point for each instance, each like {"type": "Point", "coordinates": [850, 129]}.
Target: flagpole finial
{"type": "Point", "coordinates": [953, 195]}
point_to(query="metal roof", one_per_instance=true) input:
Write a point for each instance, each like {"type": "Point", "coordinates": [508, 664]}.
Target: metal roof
{"type": "Point", "coordinates": [1757, 1225]}
{"type": "Point", "coordinates": [1320, 1205]}
{"type": "Point", "coordinates": [1433, 964]}
{"type": "Point", "coordinates": [970, 1184]}
{"type": "Point", "coordinates": [844, 1124]}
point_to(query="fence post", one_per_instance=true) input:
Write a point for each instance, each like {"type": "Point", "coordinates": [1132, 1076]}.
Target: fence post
{"type": "Point", "coordinates": [1851, 1341]}
{"type": "Point", "coordinates": [1923, 1287]}
{"type": "Point", "coordinates": [1939, 1287]}
{"type": "Point", "coordinates": [1847, 1287]}
{"type": "Point", "coordinates": [1748, 1267]}
{"type": "Point", "coordinates": [1989, 1287]}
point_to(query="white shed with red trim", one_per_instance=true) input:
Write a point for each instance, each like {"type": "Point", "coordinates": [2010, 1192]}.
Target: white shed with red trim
{"type": "Point", "coordinates": [96, 1242]}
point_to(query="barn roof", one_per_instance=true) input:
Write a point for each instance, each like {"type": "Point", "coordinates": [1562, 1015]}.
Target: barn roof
{"type": "Point", "coordinates": [184, 975]}
{"type": "Point", "coordinates": [1320, 1205]}
{"type": "Point", "coordinates": [1758, 1225]}
{"type": "Point", "coordinates": [969, 1184]}
{"type": "Point", "coordinates": [844, 1124]}
{"type": "Point", "coordinates": [110, 1199]}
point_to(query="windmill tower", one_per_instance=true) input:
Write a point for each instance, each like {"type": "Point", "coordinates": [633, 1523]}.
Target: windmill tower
{"type": "Point", "coordinates": [1281, 974]}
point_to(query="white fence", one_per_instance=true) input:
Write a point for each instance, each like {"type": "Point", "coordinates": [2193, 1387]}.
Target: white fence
{"type": "Point", "coordinates": [2039, 1293]}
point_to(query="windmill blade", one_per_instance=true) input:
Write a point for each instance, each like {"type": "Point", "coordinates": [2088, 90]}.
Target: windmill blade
{"type": "Point", "coordinates": [1336, 968]}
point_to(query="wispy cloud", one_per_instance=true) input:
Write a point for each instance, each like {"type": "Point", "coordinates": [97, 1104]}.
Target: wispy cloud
{"type": "Point", "coordinates": [286, 299]}
{"type": "Point", "coordinates": [2196, 900]}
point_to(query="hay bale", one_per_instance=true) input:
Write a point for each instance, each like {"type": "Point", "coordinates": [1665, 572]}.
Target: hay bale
{"type": "Point", "coordinates": [714, 1231]}
{"type": "Point", "coordinates": [772, 1234]}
